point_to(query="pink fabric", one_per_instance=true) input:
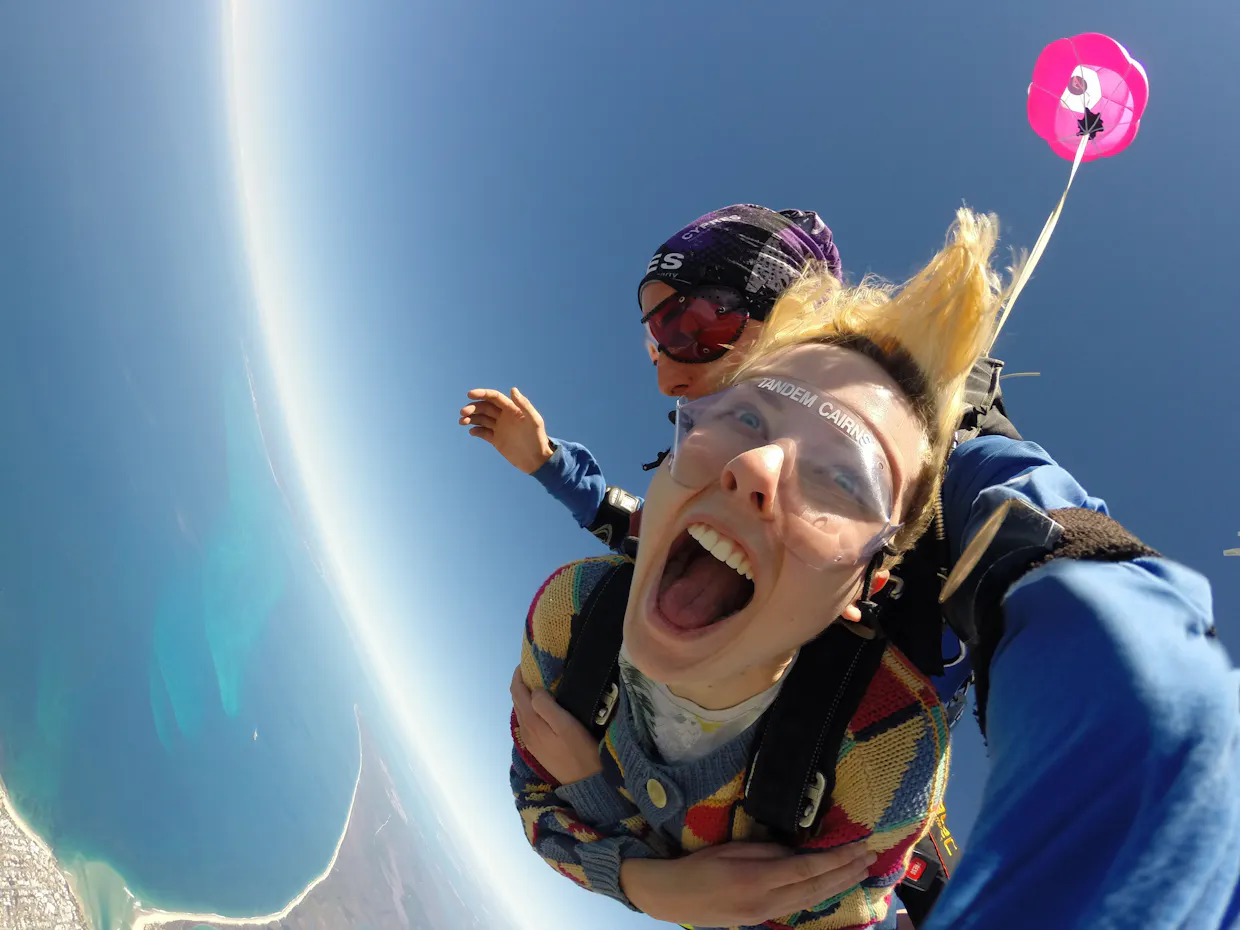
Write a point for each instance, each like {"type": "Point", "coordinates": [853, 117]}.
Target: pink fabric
{"type": "Point", "coordinates": [1089, 70]}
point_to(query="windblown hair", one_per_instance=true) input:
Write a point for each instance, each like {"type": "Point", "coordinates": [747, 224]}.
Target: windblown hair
{"type": "Point", "coordinates": [926, 334]}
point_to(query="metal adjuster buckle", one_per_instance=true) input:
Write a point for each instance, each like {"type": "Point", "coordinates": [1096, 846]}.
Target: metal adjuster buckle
{"type": "Point", "coordinates": [603, 714]}
{"type": "Point", "coordinates": [813, 800]}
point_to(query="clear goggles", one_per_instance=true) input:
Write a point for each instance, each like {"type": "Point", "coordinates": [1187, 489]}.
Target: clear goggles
{"type": "Point", "coordinates": [833, 497]}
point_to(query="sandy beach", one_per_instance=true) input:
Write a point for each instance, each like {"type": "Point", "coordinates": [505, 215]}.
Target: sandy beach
{"type": "Point", "coordinates": [144, 918]}
{"type": "Point", "coordinates": [37, 892]}
{"type": "Point", "coordinates": [82, 893]}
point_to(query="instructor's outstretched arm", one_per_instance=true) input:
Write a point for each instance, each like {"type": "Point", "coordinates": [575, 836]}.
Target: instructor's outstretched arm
{"type": "Point", "coordinates": [1113, 722]}
{"type": "Point", "coordinates": [512, 424]}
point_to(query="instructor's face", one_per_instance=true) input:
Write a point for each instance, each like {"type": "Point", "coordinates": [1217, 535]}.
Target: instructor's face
{"type": "Point", "coordinates": [678, 379]}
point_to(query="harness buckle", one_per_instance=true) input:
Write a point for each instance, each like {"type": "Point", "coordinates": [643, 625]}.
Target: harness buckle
{"type": "Point", "coordinates": [813, 800]}
{"type": "Point", "coordinates": [608, 704]}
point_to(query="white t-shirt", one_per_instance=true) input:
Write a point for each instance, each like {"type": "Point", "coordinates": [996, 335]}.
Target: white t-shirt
{"type": "Point", "coordinates": [678, 728]}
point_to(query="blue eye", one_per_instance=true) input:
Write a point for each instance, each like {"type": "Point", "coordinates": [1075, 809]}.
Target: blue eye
{"type": "Point", "coordinates": [750, 419]}
{"type": "Point", "coordinates": [831, 481]}
{"type": "Point", "coordinates": [847, 482]}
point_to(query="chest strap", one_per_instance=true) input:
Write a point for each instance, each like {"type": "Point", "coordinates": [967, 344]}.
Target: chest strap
{"type": "Point", "coordinates": [589, 687]}
{"type": "Point", "coordinates": [792, 771]}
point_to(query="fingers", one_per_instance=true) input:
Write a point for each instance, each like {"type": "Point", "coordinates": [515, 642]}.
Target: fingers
{"type": "Point", "coordinates": [501, 402]}
{"type": "Point", "coordinates": [823, 879]}
{"type": "Point", "coordinates": [805, 895]}
{"type": "Point", "coordinates": [532, 726]}
{"type": "Point", "coordinates": [809, 866]}
{"type": "Point", "coordinates": [482, 408]}
{"type": "Point", "coordinates": [562, 723]}
{"type": "Point", "coordinates": [520, 694]}
{"type": "Point", "coordinates": [482, 433]}
{"type": "Point", "coordinates": [752, 851]}
{"type": "Point", "coordinates": [545, 706]}
{"type": "Point", "coordinates": [478, 419]}
{"type": "Point", "coordinates": [523, 404]}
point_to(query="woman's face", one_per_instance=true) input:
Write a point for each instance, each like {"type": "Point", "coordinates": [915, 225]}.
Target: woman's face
{"type": "Point", "coordinates": [678, 379]}
{"type": "Point", "coordinates": [694, 622]}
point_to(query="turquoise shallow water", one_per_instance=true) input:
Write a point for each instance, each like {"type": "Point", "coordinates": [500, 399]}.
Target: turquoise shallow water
{"type": "Point", "coordinates": [158, 601]}
{"type": "Point", "coordinates": [159, 607]}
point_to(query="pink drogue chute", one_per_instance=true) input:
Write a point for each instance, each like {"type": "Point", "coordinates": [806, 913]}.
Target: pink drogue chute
{"type": "Point", "coordinates": [1086, 101]}
{"type": "Point", "coordinates": [1087, 85]}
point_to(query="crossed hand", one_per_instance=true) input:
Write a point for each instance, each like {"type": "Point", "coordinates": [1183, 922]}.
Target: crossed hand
{"type": "Point", "coordinates": [720, 886]}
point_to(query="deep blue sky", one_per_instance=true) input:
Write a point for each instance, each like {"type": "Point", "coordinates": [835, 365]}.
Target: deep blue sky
{"type": "Point", "coordinates": [462, 195]}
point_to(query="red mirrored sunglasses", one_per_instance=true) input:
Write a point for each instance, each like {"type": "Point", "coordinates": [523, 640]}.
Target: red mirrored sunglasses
{"type": "Point", "coordinates": [698, 324]}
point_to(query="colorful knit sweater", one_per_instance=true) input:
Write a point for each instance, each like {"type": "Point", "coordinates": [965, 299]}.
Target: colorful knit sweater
{"type": "Point", "coordinates": [891, 773]}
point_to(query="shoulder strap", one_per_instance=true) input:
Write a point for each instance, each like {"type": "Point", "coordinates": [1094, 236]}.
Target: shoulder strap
{"type": "Point", "coordinates": [792, 771]}
{"type": "Point", "coordinates": [909, 605]}
{"type": "Point", "coordinates": [793, 767]}
{"type": "Point", "coordinates": [590, 672]}
{"type": "Point", "coordinates": [984, 414]}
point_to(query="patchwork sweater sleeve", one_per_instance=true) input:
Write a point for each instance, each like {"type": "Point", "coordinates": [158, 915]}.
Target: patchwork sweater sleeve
{"type": "Point", "coordinates": [587, 829]}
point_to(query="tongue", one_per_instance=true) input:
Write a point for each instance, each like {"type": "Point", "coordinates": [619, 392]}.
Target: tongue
{"type": "Point", "coordinates": [703, 594]}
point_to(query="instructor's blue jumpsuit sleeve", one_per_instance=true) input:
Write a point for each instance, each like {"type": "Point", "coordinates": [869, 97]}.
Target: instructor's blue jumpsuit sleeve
{"type": "Point", "coordinates": [1113, 797]}
{"type": "Point", "coordinates": [573, 477]}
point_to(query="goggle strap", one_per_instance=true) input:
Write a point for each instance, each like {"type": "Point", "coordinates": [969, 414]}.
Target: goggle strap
{"type": "Point", "coordinates": [869, 609]}
{"type": "Point", "coordinates": [651, 466]}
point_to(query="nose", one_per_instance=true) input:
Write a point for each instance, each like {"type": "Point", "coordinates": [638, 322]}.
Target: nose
{"type": "Point", "coordinates": [752, 479]}
{"type": "Point", "coordinates": [676, 378]}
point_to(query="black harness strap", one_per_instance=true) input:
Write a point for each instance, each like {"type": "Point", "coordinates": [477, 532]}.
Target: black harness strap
{"type": "Point", "coordinates": [909, 605]}
{"type": "Point", "coordinates": [985, 414]}
{"type": "Point", "coordinates": [592, 669]}
{"type": "Point", "coordinates": [792, 773]}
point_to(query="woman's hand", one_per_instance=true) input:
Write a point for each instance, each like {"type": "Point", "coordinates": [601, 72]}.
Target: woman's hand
{"type": "Point", "coordinates": [558, 741]}
{"type": "Point", "coordinates": [511, 424]}
{"type": "Point", "coordinates": [741, 883]}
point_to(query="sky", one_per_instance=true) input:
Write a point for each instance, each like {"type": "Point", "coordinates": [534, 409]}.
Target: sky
{"type": "Point", "coordinates": [435, 197]}
{"type": "Point", "coordinates": [466, 196]}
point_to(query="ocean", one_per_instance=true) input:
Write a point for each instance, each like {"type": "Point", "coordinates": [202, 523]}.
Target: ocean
{"type": "Point", "coordinates": [176, 686]}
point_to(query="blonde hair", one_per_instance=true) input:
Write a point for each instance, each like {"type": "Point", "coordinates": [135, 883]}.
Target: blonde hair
{"type": "Point", "coordinates": [926, 334]}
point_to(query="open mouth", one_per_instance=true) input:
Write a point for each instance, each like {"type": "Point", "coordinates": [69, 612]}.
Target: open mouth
{"type": "Point", "coordinates": [707, 579]}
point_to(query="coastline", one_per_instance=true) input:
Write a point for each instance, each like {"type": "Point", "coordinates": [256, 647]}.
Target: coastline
{"type": "Point", "coordinates": [63, 897]}
{"type": "Point", "coordinates": [100, 897]}
{"type": "Point", "coordinates": [144, 918]}
{"type": "Point", "coordinates": [20, 823]}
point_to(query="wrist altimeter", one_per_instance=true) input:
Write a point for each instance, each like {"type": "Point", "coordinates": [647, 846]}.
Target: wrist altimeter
{"type": "Point", "coordinates": [615, 513]}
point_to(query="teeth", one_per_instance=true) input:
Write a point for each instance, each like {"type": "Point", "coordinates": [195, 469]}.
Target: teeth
{"type": "Point", "coordinates": [722, 548]}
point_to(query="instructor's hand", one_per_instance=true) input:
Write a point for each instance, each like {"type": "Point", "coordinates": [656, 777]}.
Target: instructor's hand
{"type": "Point", "coordinates": [511, 424]}
{"type": "Point", "coordinates": [741, 883]}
